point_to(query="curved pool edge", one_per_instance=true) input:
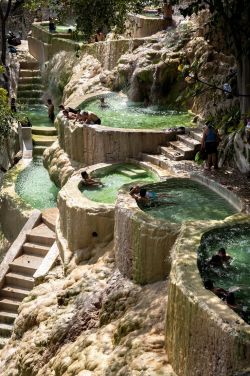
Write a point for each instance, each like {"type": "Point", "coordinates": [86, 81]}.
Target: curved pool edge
{"type": "Point", "coordinates": [144, 249]}
{"type": "Point", "coordinates": [193, 309]}
{"type": "Point", "coordinates": [14, 211]}
{"type": "Point", "coordinates": [143, 244]}
{"type": "Point", "coordinates": [77, 212]}
{"type": "Point", "coordinates": [236, 201]}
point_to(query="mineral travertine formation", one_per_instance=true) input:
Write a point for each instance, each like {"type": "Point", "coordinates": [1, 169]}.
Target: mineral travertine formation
{"type": "Point", "coordinates": [90, 322]}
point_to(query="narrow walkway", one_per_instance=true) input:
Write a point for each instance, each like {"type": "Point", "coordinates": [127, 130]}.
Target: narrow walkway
{"type": "Point", "coordinates": [19, 281]}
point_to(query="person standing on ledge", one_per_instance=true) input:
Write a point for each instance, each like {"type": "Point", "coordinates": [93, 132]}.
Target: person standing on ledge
{"type": "Point", "coordinates": [210, 141]}
{"type": "Point", "coordinates": [51, 109]}
{"type": "Point", "coordinates": [52, 26]}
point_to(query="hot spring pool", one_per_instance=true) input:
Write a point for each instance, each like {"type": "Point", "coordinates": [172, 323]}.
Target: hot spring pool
{"type": "Point", "coordinates": [187, 201]}
{"type": "Point", "coordinates": [38, 115]}
{"type": "Point", "coordinates": [235, 276]}
{"type": "Point", "coordinates": [122, 113]}
{"type": "Point", "coordinates": [61, 28]}
{"type": "Point", "coordinates": [34, 186]}
{"type": "Point", "coordinates": [113, 180]}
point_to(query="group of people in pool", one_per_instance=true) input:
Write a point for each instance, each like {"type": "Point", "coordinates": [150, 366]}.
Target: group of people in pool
{"type": "Point", "coordinates": [221, 260]}
{"type": "Point", "coordinates": [86, 117]}
{"type": "Point", "coordinates": [141, 195]}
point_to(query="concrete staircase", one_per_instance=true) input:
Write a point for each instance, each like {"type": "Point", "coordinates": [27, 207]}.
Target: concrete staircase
{"type": "Point", "coordinates": [184, 148]}
{"type": "Point", "coordinates": [43, 140]}
{"type": "Point", "coordinates": [30, 91]}
{"type": "Point", "coordinates": [30, 88]}
{"type": "Point", "coordinates": [18, 280]}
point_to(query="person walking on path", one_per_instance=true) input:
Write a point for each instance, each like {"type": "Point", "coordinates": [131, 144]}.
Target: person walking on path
{"type": "Point", "coordinates": [209, 144]}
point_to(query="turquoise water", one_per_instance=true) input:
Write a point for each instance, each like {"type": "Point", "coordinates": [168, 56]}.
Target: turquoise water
{"type": "Point", "coordinates": [114, 180]}
{"type": "Point", "coordinates": [187, 201]}
{"type": "Point", "coordinates": [38, 115]}
{"type": "Point", "coordinates": [122, 113]}
{"type": "Point", "coordinates": [34, 186]}
{"type": "Point", "coordinates": [61, 28]}
{"type": "Point", "coordinates": [234, 276]}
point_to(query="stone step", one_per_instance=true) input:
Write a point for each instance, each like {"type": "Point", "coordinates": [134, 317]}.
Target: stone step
{"type": "Point", "coordinates": [38, 150]}
{"type": "Point", "coordinates": [163, 167]}
{"type": "Point", "coordinates": [30, 80]}
{"type": "Point", "coordinates": [20, 280]}
{"type": "Point", "coordinates": [44, 131]}
{"type": "Point", "coordinates": [197, 134]}
{"type": "Point", "coordinates": [159, 160]}
{"type": "Point", "coordinates": [7, 317]}
{"type": "Point", "coordinates": [35, 249]}
{"type": "Point", "coordinates": [189, 141]}
{"type": "Point", "coordinates": [29, 73]}
{"type": "Point", "coordinates": [27, 264]}
{"type": "Point", "coordinates": [29, 65]}
{"type": "Point", "coordinates": [9, 305]}
{"type": "Point", "coordinates": [182, 148]}
{"type": "Point", "coordinates": [29, 94]}
{"type": "Point", "coordinates": [39, 140]}
{"type": "Point", "coordinates": [6, 330]}
{"type": "Point", "coordinates": [24, 87]}
{"type": "Point", "coordinates": [23, 100]}
{"type": "Point", "coordinates": [41, 235]}
{"type": "Point", "coordinates": [171, 153]}
{"type": "Point", "coordinates": [3, 342]}
{"type": "Point", "coordinates": [49, 217]}
{"type": "Point", "coordinates": [14, 292]}
{"type": "Point", "coordinates": [152, 158]}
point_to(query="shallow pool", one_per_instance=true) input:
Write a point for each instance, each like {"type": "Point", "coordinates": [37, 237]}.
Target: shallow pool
{"type": "Point", "coordinates": [34, 186]}
{"type": "Point", "coordinates": [187, 200]}
{"type": "Point", "coordinates": [38, 115]}
{"type": "Point", "coordinates": [123, 174]}
{"type": "Point", "coordinates": [122, 113]}
{"type": "Point", "coordinates": [61, 28]}
{"type": "Point", "coordinates": [235, 276]}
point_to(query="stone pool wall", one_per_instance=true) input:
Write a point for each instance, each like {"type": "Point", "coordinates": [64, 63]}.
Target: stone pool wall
{"type": "Point", "coordinates": [82, 223]}
{"type": "Point", "coordinates": [43, 45]}
{"type": "Point", "coordinates": [140, 26]}
{"type": "Point", "coordinates": [14, 212]}
{"type": "Point", "coordinates": [91, 144]}
{"type": "Point", "coordinates": [142, 244]}
{"type": "Point", "coordinates": [204, 337]}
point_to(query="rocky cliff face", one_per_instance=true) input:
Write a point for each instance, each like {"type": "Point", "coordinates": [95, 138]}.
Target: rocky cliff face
{"type": "Point", "coordinates": [90, 322]}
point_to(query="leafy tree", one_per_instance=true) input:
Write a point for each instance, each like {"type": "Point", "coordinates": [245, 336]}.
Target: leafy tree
{"type": "Point", "coordinates": [229, 18]}
{"type": "Point", "coordinates": [6, 120]}
{"type": "Point", "coordinates": [5, 8]}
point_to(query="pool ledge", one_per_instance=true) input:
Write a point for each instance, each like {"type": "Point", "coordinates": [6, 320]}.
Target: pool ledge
{"type": "Point", "coordinates": [230, 196]}
{"type": "Point", "coordinates": [84, 223]}
{"type": "Point", "coordinates": [14, 212]}
{"type": "Point", "coordinates": [193, 309]}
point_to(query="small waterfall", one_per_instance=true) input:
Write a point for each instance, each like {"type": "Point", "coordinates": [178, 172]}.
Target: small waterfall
{"type": "Point", "coordinates": [154, 92]}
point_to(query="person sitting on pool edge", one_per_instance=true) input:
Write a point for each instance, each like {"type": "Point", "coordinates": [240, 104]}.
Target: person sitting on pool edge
{"type": "Point", "coordinates": [218, 291]}
{"type": "Point", "coordinates": [90, 118]}
{"type": "Point", "coordinates": [87, 180]}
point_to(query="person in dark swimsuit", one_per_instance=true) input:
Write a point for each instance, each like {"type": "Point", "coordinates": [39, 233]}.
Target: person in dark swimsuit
{"type": "Point", "coordinates": [209, 143]}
